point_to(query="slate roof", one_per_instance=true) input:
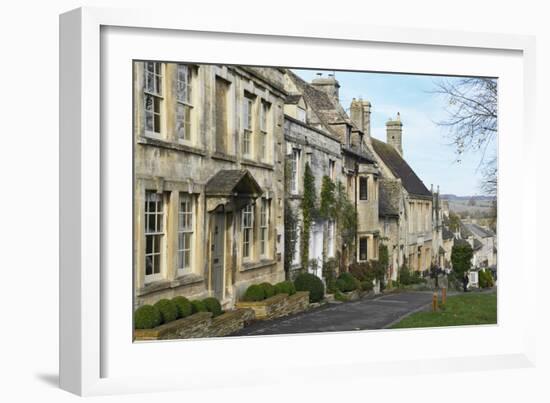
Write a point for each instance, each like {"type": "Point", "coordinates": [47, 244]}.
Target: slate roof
{"type": "Point", "coordinates": [477, 244]}
{"type": "Point", "coordinates": [447, 233]}
{"type": "Point", "coordinates": [465, 231]}
{"type": "Point", "coordinates": [227, 182]}
{"type": "Point", "coordinates": [480, 231]}
{"type": "Point", "coordinates": [399, 167]}
{"type": "Point", "coordinates": [332, 115]}
{"type": "Point", "coordinates": [388, 198]}
{"type": "Point", "coordinates": [459, 242]}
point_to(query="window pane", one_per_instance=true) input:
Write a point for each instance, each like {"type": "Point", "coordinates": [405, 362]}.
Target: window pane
{"type": "Point", "coordinates": [156, 264]}
{"type": "Point", "coordinates": [363, 190]}
{"type": "Point", "coordinates": [148, 265]}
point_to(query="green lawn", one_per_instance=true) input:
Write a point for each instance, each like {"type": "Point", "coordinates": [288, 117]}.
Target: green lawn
{"type": "Point", "coordinates": [466, 309]}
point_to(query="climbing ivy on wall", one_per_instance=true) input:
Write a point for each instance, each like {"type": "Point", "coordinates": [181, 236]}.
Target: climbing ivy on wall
{"type": "Point", "coordinates": [345, 214]}
{"type": "Point", "coordinates": [308, 206]}
{"type": "Point", "coordinates": [327, 203]}
{"type": "Point", "coordinates": [383, 255]}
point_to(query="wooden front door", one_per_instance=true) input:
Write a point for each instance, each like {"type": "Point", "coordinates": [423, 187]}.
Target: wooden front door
{"type": "Point", "coordinates": [217, 240]}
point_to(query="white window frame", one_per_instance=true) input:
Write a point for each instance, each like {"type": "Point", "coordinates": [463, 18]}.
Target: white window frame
{"type": "Point", "coordinates": [248, 107]}
{"type": "Point", "coordinates": [294, 170]}
{"type": "Point", "coordinates": [186, 230]}
{"type": "Point", "coordinates": [331, 241]}
{"type": "Point", "coordinates": [301, 114]}
{"type": "Point", "coordinates": [366, 238]}
{"type": "Point", "coordinates": [264, 227]}
{"type": "Point", "coordinates": [264, 115]}
{"type": "Point", "coordinates": [154, 91]}
{"type": "Point", "coordinates": [157, 232]}
{"type": "Point", "coordinates": [184, 102]}
{"type": "Point", "coordinates": [247, 229]}
{"type": "Point", "coordinates": [331, 169]}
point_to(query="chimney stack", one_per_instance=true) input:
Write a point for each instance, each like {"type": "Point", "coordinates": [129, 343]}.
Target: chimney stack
{"type": "Point", "coordinates": [360, 115]}
{"type": "Point", "coordinates": [394, 131]}
{"type": "Point", "coordinates": [329, 85]}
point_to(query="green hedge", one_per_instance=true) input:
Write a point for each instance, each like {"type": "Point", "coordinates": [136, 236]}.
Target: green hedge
{"type": "Point", "coordinates": [198, 306]}
{"type": "Point", "coordinates": [213, 305]}
{"type": "Point", "coordinates": [168, 310]}
{"type": "Point", "coordinates": [346, 282]}
{"type": "Point", "coordinates": [285, 287]}
{"type": "Point", "coordinates": [147, 317]}
{"type": "Point", "coordinates": [183, 306]}
{"type": "Point", "coordinates": [269, 290]}
{"type": "Point", "coordinates": [254, 293]}
{"type": "Point", "coordinates": [312, 283]}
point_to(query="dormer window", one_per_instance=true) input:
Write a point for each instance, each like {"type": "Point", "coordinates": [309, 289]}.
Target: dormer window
{"type": "Point", "coordinates": [301, 114]}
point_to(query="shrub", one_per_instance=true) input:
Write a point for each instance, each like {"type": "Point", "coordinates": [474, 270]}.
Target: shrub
{"type": "Point", "coordinates": [183, 306]}
{"type": "Point", "coordinates": [406, 277]}
{"type": "Point", "coordinates": [168, 310]}
{"type": "Point", "coordinates": [312, 283]}
{"type": "Point", "coordinates": [213, 305]}
{"type": "Point", "coordinates": [198, 306]}
{"type": "Point", "coordinates": [329, 269]}
{"type": "Point", "coordinates": [269, 290]}
{"type": "Point", "coordinates": [367, 285]}
{"type": "Point", "coordinates": [147, 317]}
{"type": "Point", "coordinates": [346, 282]}
{"type": "Point", "coordinates": [338, 296]}
{"type": "Point", "coordinates": [254, 293]}
{"type": "Point", "coordinates": [461, 257]}
{"type": "Point", "coordinates": [485, 279]}
{"type": "Point", "coordinates": [332, 287]}
{"type": "Point", "coordinates": [285, 287]}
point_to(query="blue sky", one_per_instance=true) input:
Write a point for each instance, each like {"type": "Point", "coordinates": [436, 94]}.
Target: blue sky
{"type": "Point", "coordinates": [426, 146]}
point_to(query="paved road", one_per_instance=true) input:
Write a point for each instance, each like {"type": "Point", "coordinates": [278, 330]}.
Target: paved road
{"type": "Point", "coordinates": [369, 313]}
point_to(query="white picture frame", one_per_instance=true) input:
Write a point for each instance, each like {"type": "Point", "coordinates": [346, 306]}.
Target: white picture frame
{"type": "Point", "coordinates": [88, 313]}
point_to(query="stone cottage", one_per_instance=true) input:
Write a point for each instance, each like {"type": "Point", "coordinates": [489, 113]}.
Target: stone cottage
{"type": "Point", "coordinates": [320, 148]}
{"type": "Point", "coordinates": [405, 204]}
{"type": "Point", "coordinates": [208, 185]}
{"type": "Point", "coordinates": [319, 132]}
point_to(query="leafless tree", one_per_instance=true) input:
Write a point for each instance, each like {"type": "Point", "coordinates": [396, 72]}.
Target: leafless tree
{"type": "Point", "coordinates": [472, 105]}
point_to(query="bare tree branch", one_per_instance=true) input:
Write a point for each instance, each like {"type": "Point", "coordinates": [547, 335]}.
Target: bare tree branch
{"type": "Point", "coordinates": [472, 122]}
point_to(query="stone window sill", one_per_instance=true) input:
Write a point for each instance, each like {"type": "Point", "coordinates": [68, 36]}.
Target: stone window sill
{"type": "Point", "coordinates": [162, 285]}
{"type": "Point", "coordinates": [171, 146]}
{"type": "Point", "coordinates": [257, 164]}
{"type": "Point", "coordinates": [224, 157]}
{"type": "Point", "coordinates": [257, 265]}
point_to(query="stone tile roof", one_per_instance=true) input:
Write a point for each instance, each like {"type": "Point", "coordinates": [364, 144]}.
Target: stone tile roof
{"type": "Point", "coordinates": [332, 115]}
{"type": "Point", "coordinates": [227, 182]}
{"type": "Point", "coordinates": [293, 99]}
{"type": "Point", "coordinates": [399, 167]}
{"type": "Point", "coordinates": [388, 198]}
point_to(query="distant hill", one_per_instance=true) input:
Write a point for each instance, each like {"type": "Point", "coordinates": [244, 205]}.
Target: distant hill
{"type": "Point", "coordinates": [452, 197]}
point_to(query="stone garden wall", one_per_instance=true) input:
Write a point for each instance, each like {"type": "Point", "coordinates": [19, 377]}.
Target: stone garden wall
{"type": "Point", "coordinates": [198, 325]}
{"type": "Point", "coordinates": [278, 305]}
